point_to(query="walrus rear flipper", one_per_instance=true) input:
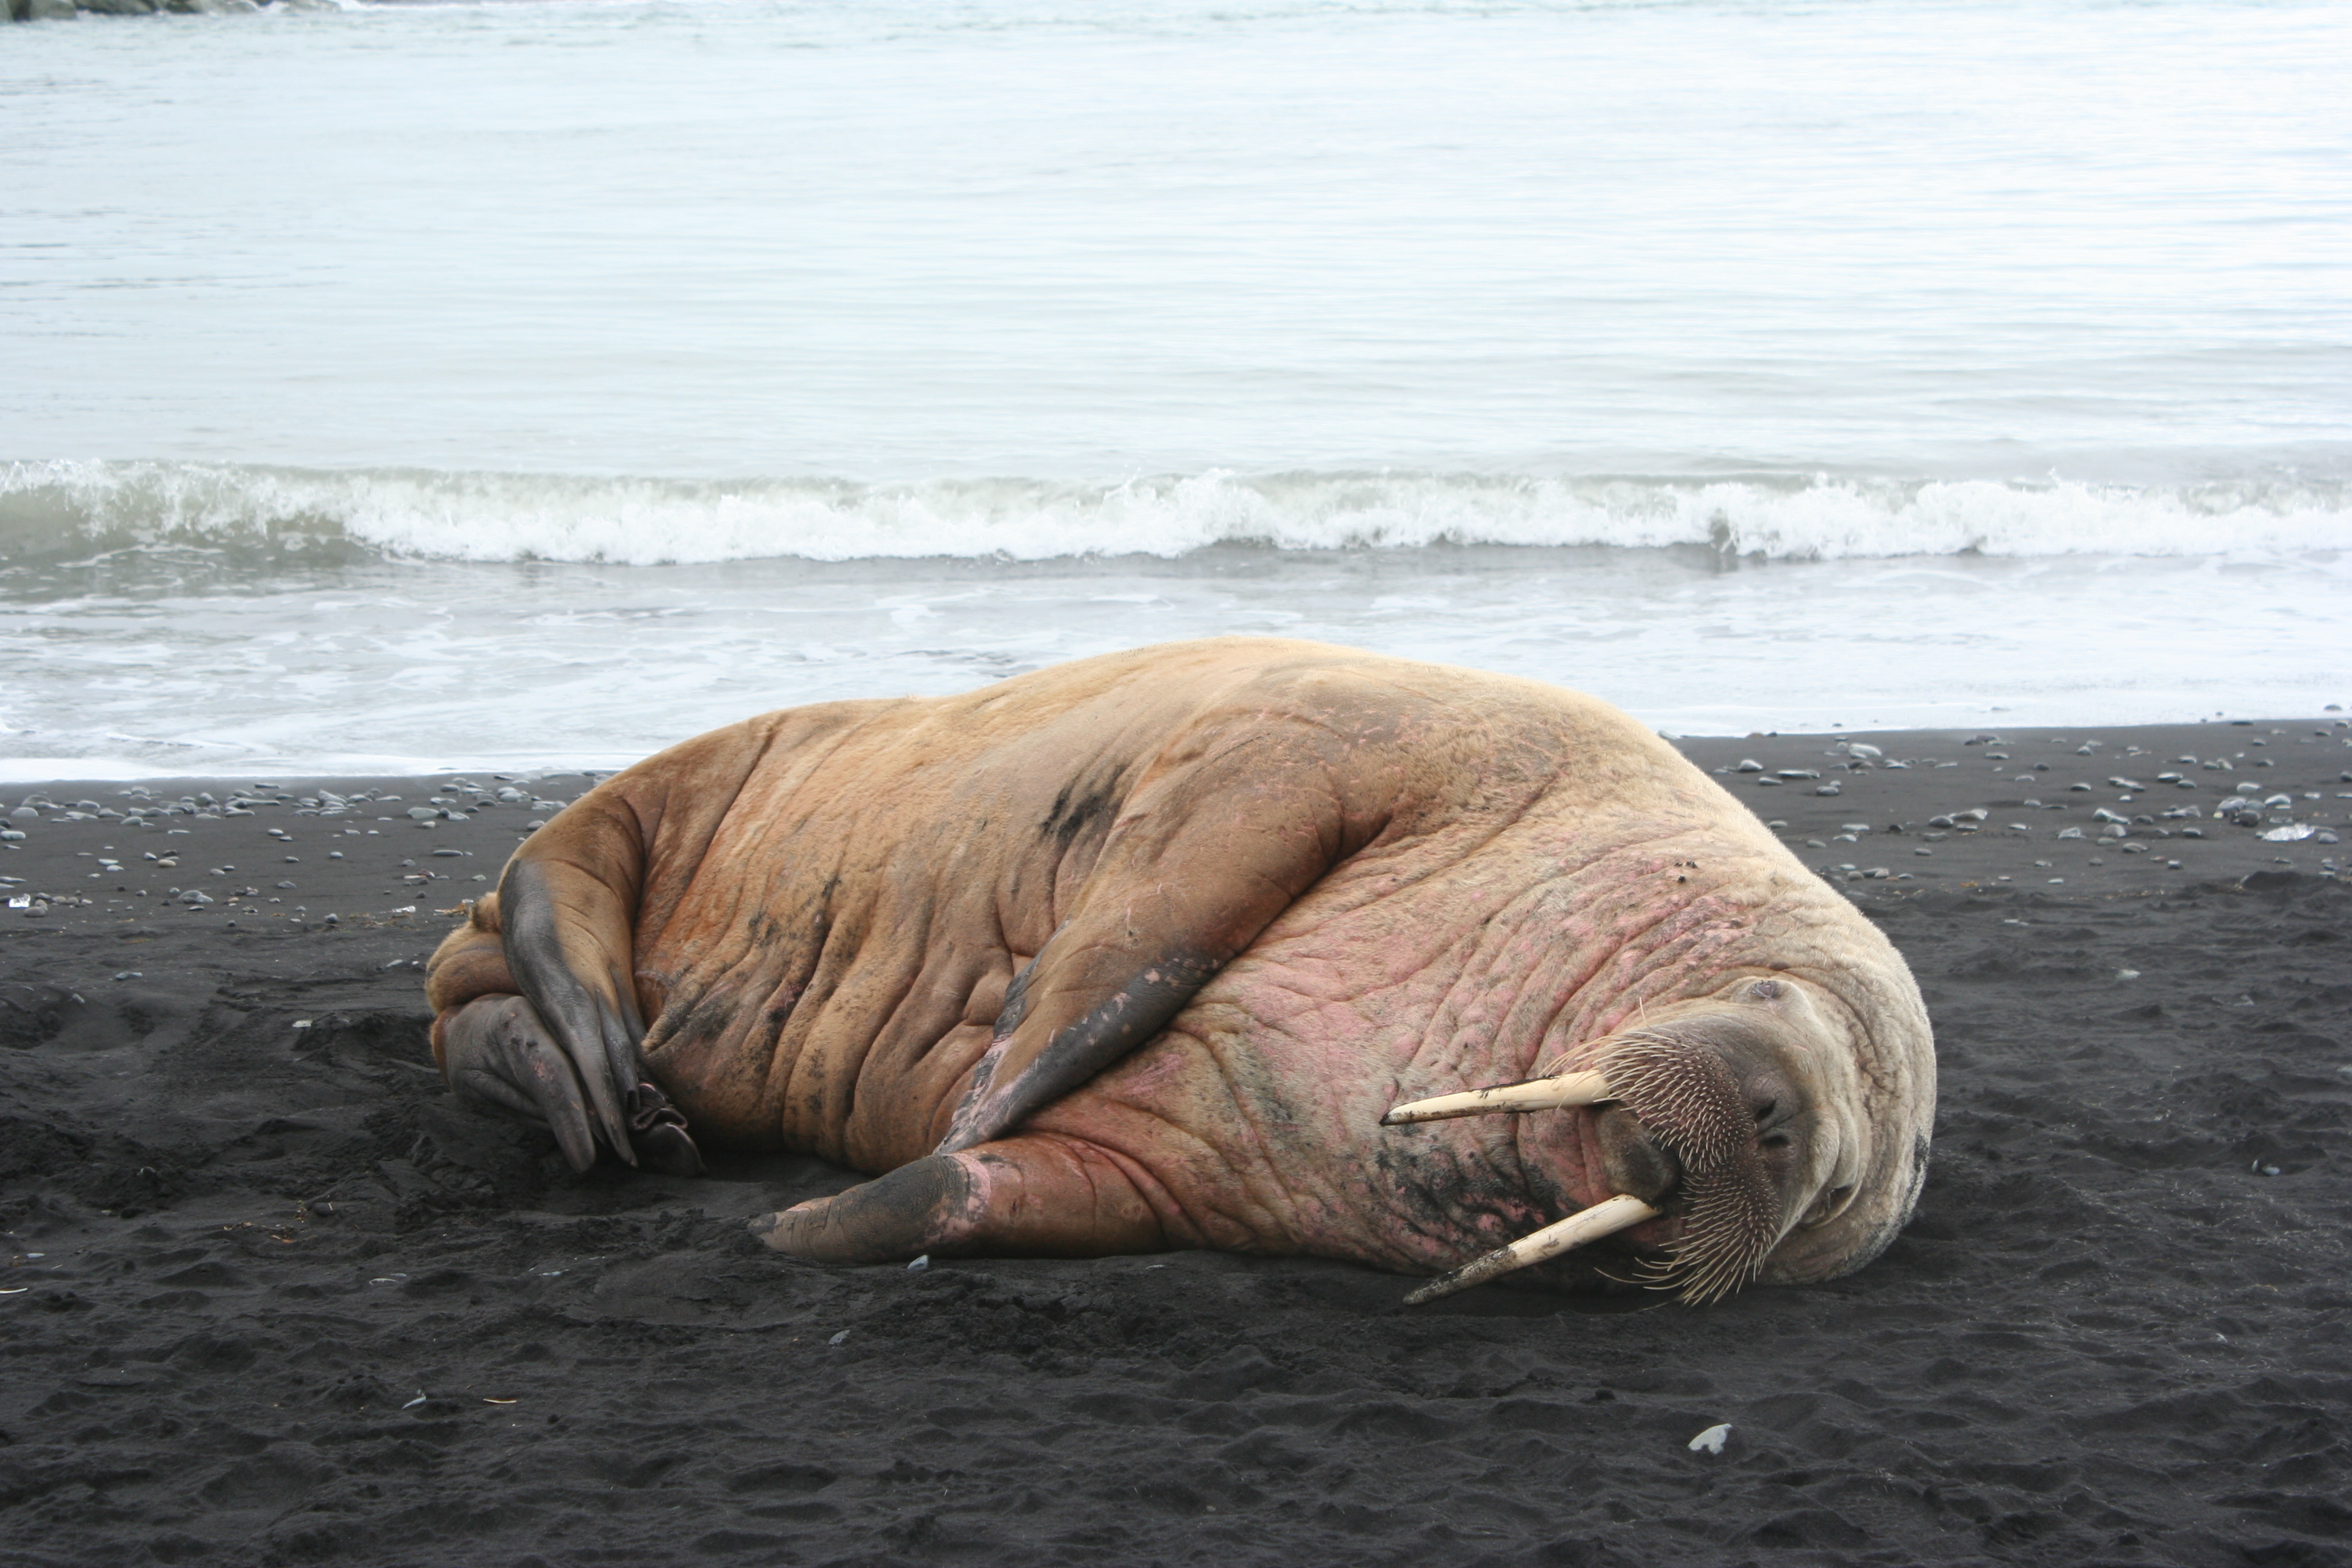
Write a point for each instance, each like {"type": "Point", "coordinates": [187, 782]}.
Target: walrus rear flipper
{"type": "Point", "coordinates": [568, 939]}
{"type": "Point", "coordinates": [499, 1056]}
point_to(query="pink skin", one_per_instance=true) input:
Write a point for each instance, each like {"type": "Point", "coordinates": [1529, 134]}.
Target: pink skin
{"type": "Point", "coordinates": [1332, 1020]}
{"type": "Point", "coordinates": [1252, 1123]}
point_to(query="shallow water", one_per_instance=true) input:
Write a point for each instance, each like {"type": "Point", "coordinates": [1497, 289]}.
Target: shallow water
{"type": "Point", "coordinates": [413, 667]}
{"type": "Point", "coordinates": [425, 383]}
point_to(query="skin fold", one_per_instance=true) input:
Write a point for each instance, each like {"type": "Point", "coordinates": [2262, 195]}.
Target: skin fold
{"type": "Point", "coordinates": [1133, 953]}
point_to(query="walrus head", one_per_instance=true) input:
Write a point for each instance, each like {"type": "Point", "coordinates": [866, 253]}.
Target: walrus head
{"type": "Point", "coordinates": [1742, 1116]}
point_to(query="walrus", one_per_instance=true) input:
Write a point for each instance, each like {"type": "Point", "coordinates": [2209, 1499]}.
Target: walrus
{"type": "Point", "coordinates": [1248, 944]}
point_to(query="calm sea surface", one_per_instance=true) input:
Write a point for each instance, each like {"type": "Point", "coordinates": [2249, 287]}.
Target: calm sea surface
{"type": "Point", "coordinates": [537, 383]}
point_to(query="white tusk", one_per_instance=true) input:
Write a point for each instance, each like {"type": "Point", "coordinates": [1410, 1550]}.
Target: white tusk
{"type": "Point", "coordinates": [1536, 1094]}
{"type": "Point", "coordinates": [1603, 1218]}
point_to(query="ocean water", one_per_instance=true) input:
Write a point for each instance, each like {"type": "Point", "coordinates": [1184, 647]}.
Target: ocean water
{"type": "Point", "coordinates": [533, 385]}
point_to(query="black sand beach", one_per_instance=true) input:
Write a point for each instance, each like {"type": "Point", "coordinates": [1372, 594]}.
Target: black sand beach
{"type": "Point", "coordinates": [273, 1296]}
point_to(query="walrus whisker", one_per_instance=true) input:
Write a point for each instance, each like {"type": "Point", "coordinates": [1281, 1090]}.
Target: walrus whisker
{"type": "Point", "coordinates": [1604, 1218]}
{"type": "Point", "coordinates": [1554, 1093]}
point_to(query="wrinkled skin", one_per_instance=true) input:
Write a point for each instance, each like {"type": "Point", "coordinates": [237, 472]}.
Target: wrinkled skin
{"type": "Point", "coordinates": [1133, 953]}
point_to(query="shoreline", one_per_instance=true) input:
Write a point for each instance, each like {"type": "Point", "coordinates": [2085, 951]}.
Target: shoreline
{"type": "Point", "coordinates": [1893, 817]}
{"type": "Point", "coordinates": [269, 1294]}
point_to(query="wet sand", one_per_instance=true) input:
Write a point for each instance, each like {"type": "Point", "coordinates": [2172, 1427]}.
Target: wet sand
{"type": "Point", "coordinates": [272, 1297]}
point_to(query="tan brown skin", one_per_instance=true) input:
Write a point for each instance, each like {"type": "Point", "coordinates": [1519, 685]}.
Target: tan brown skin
{"type": "Point", "coordinates": [1133, 953]}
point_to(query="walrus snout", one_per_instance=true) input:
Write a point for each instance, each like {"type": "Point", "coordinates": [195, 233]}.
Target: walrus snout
{"type": "Point", "coordinates": [1711, 1115]}
{"type": "Point", "coordinates": [1632, 1160]}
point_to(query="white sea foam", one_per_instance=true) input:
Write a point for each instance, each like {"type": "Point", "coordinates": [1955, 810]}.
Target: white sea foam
{"type": "Point", "coordinates": [58, 510]}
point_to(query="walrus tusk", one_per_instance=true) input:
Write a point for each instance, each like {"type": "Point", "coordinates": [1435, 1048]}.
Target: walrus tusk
{"type": "Point", "coordinates": [1536, 1094]}
{"type": "Point", "coordinates": [1603, 1218]}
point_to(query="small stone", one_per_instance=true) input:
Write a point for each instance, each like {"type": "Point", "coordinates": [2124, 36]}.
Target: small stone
{"type": "Point", "coordinates": [422, 814]}
{"type": "Point", "coordinates": [1746, 766]}
{"type": "Point", "coordinates": [1826, 789]}
{"type": "Point", "coordinates": [2070, 833]}
{"type": "Point", "coordinates": [1711, 1440]}
{"type": "Point", "coordinates": [1923, 850]}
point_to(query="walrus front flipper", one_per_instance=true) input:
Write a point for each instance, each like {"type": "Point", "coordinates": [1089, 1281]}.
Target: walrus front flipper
{"type": "Point", "coordinates": [1037, 1195]}
{"type": "Point", "coordinates": [1203, 856]}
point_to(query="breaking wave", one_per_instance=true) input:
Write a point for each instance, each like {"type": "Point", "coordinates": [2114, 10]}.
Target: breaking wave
{"type": "Point", "coordinates": [61, 510]}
